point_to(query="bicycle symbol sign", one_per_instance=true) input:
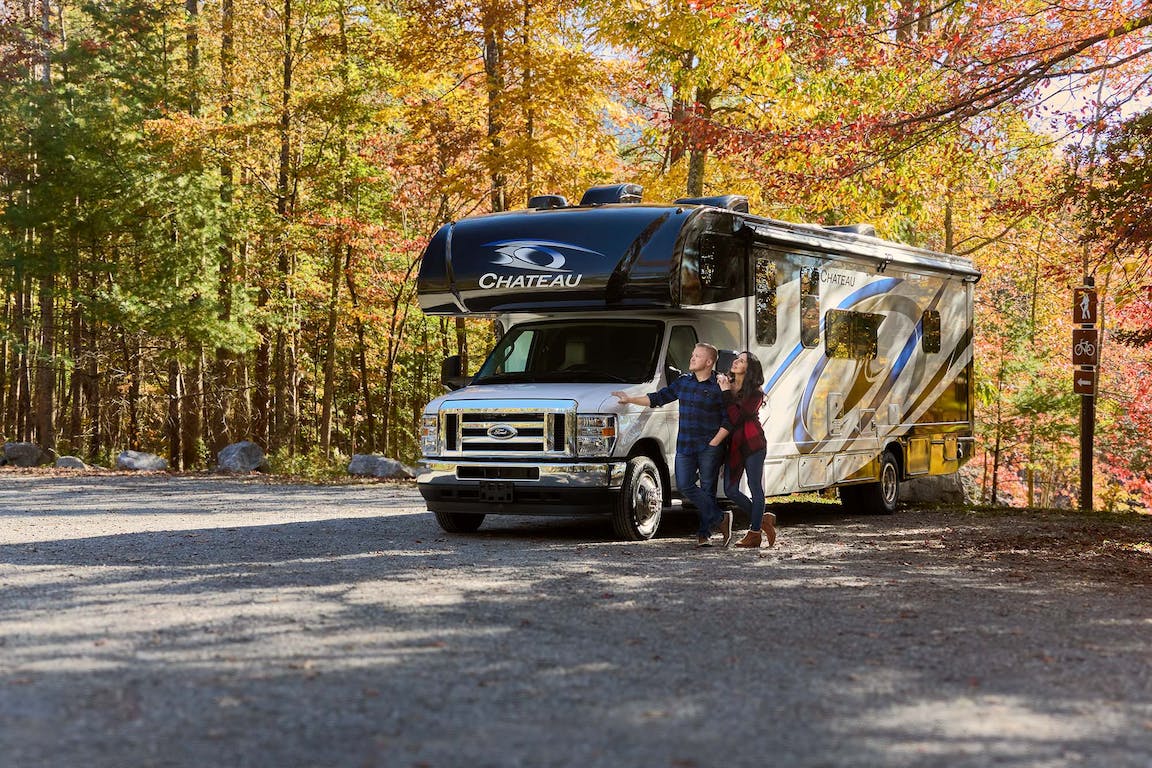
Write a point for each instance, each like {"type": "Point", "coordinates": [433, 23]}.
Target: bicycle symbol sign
{"type": "Point", "coordinates": [1085, 349]}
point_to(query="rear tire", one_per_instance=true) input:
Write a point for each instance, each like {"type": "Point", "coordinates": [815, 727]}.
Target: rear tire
{"type": "Point", "coordinates": [875, 498]}
{"type": "Point", "coordinates": [641, 501]}
{"type": "Point", "coordinates": [459, 522]}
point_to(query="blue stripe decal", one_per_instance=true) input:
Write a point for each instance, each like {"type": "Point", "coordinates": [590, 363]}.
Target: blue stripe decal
{"type": "Point", "coordinates": [800, 432]}
{"type": "Point", "coordinates": [872, 289]}
{"type": "Point", "coordinates": [905, 356]}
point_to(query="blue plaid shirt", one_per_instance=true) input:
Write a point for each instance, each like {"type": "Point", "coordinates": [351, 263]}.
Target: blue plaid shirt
{"type": "Point", "coordinates": [701, 410]}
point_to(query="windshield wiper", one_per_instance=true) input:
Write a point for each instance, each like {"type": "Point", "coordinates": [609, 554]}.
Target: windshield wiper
{"type": "Point", "coordinates": [505, 377]}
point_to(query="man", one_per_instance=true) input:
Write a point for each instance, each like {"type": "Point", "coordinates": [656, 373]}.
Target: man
{"type": "Point", "coordinates": [701, 414]}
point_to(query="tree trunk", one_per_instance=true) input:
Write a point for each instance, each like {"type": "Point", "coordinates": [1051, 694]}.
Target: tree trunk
{"type": "Point", "coordinates": [529, 105]}
{"type": "Point", "coordinates": [698, 155]}
{"type": "Point", "coordinates": [172, 425]}
{"type": "Point", "coordinates": [494, 75]}
{"type": "Point", "coordinates": [361, 356]}
{"type": "Point", "coordinates": [338, 249]}
{"type": "Point", "coordinates": [280, 366]}
{"type": "Point", "coordinates": [15, 415]}
{"type": "Point", "coordinates": [191, 413]}
{"type": "Point", "coordinates": [76, 350]}
{"type": "Point", "coordinates": [223, 364]}
{"type": "Point", "coordinates": [46, 359]}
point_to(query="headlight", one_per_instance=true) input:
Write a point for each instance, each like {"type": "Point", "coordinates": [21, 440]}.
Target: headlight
{"type": "Point", "coordinates": [595, 435]}
{"type": "Point", "coordinates": [430, 434]}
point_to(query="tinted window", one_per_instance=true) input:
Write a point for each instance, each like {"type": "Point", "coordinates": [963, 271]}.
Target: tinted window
{"type": "Point", "coordinates": [810, 306]}
{"type": "Point", "coordinates": [851, 334]}
{"type": "Point", "coordinates": [930, 323]}
{"type": "Point", "coordinates": [766, 281]}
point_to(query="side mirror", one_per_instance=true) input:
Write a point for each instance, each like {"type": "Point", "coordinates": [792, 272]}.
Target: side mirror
{"type": "Point", "coordinates": [724, 360]}
{"type": "Point", "coordinates": [451, 375]}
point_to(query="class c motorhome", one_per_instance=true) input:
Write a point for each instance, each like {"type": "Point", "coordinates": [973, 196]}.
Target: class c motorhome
{"type": "Point", "coordinates": [866, 346]}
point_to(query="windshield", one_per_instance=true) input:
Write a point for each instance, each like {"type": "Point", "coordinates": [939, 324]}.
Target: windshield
{"type": "Point", "coordinates": [621, 351]}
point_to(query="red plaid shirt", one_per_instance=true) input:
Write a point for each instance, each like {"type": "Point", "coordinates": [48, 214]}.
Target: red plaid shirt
{"type": "Point", "coordinates": [746, 434]}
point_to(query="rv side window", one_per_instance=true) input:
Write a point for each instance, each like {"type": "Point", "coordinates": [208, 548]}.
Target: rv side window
{"type": "Point", "coordinates": [810, 306]}
{"type": "Point", "coordinates": [714, 269]}
{"type": "Point", "coordinates": [930, 323]}
{"type": "Point", "coordinates": [851, 334]}
{"type": "Point", "coordinates": [765, 296]}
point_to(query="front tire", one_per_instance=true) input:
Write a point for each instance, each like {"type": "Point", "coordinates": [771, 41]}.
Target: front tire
{"type": "Point", "coordinates": [641, 501]}
{"type": "Point", "coordinates": [876, 498]}
{"type": "Point", "coordinates": [459, 522]}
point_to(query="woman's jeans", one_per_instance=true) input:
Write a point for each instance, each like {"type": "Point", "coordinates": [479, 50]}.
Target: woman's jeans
{"type": "Point", "coordinates": [696, 475]}
{"type": "Point", "coordinates": [754, 469]}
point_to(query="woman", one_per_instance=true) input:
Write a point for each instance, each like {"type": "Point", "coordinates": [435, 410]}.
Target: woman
{"type": "Point", "coordinates": [743, 397]}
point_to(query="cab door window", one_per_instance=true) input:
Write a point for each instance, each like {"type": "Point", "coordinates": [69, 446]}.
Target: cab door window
{"type": "Point", "coordinates": [681, 342]}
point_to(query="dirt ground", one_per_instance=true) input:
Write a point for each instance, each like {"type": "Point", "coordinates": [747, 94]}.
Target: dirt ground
{"type": "Point", "coordinates": [162, 620]}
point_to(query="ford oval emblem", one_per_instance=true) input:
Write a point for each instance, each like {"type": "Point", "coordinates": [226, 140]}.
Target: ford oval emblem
{"type": "Point", "coordinates": [501, 432]}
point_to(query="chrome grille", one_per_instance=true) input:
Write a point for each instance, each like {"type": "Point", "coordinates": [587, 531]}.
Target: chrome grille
{"type": "Point", "coordinates": [513, 428]}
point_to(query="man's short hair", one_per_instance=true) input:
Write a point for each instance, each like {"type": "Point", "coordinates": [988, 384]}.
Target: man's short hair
{"type": "Point", "coordinates": [715, 353]}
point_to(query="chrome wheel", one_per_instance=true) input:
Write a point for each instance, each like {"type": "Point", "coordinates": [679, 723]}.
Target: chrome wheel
{"type": "Point", "coordinates": [641, 501]}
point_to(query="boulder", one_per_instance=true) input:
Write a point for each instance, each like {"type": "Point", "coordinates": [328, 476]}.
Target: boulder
{"type": "Point", "coordinates": [933, 490]}
{"type": "Point", "coordinates": [374, 465]}
{"type": "Point", "coordinates": [140, 461]}
{"type": "Point", "coordinates": [70, 462]}
{"type": "Point", "coordinates": [244, 456]}
{"type": "Point", "coordinates": [24, 455]}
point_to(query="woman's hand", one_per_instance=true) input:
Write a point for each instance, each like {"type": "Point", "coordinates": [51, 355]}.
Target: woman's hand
{"type": "Point", "coordinates": [724, 382]}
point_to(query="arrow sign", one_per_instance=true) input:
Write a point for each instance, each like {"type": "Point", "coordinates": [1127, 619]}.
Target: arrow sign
{"type": "Point", "coordinates": [1084, 382]}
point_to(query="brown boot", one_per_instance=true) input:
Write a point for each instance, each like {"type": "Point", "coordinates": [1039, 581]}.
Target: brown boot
{"type": "Point", "coordinates": [751, 540]}
{"type": "Point", "coordinates": [768, 525]}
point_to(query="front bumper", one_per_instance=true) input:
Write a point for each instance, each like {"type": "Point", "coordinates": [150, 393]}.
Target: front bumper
{"type": "Point", "coordinates": [520, 488]}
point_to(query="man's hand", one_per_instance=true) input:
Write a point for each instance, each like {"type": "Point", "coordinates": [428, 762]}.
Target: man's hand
{"type": "Point", "coordinates": [623, 398]}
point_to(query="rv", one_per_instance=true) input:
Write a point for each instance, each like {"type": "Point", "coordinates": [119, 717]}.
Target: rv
{"type": "Point", "coordinates": [866, 346]}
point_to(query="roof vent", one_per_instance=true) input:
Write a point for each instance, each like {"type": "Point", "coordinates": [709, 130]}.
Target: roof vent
{"type": "Point", "coordinates": [542, 202]}
{"type": "Point", "coordinates": [737, 203]}
{"type": "Point", "coordinates": [612, 193]}
{"type": "Point", "coordinates": [854, 229]}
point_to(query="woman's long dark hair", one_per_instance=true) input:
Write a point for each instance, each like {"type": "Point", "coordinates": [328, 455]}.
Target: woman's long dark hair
{"type": "Point", "coordinates": [753, 376]}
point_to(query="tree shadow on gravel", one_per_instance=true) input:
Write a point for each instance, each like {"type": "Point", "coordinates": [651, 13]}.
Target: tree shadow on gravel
{"type": "Point", "coordinates": [362, 641]}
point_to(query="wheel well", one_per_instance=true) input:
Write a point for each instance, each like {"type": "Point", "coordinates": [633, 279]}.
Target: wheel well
{"type": "Point", "coordinates": [897, 450]}
{"type": "Point", "coordinates": [650, 448]}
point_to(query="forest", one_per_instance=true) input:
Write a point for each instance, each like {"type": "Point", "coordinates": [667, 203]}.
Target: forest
{"type": "Point", "coordinates": [212, 211]}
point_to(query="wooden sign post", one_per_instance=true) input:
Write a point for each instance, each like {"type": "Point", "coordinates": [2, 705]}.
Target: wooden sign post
{"type": "Point", "coordinates": [1085, 359]}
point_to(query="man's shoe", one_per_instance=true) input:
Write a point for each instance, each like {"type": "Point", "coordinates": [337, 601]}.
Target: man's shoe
{"type": "Point", "coordinates": [703, 541]}
{"type": "Point", "coordinates": [726, 528]}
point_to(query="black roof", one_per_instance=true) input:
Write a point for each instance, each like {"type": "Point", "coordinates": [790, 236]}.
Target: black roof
{"type": "Point", "coordinates": [608, 256]}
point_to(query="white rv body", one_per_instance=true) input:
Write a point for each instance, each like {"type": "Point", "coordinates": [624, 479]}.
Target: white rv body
{"type": "Point", "coordinates": [866, 348]}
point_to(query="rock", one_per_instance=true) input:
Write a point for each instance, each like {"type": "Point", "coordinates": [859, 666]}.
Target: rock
{"type": "Point", "coordinates": [933, 490]}
{"type": "Point", "coordinates": [244, 456]}
{"type": "Point", "coordinates": [374, 465]}
{"type": "Point", "coordinates": [140, 461]}
{"type": "Point", "coordinates": [70, 462]}
{"type": "Point", "coordinates": [24, 455]}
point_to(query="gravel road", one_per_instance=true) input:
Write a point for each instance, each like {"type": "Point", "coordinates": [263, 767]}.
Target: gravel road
{"type": "Point", "coordinates": [156, 620]}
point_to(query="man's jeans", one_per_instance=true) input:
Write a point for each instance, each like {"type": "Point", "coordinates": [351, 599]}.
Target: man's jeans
{"type": "Point", "coordinates": [696, 475]}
